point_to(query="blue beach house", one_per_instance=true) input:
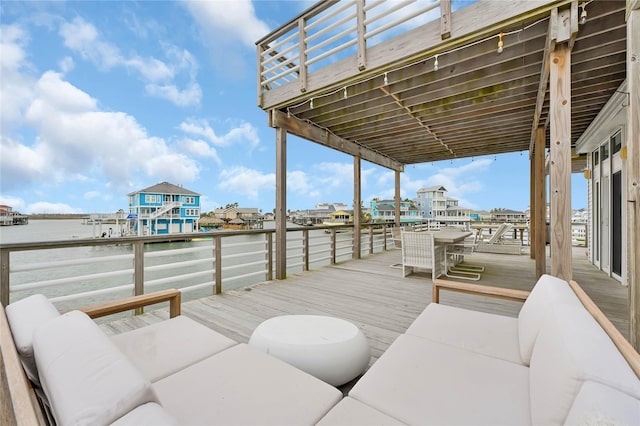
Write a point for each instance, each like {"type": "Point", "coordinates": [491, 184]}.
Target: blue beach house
{"type": "Point", "coordinates": [164, 208]}
{"type": "Point", "coordinates": [385, 211]}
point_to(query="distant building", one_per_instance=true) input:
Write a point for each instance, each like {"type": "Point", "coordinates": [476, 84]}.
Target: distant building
{"type": "Point", "coordinates": [479, 215]}
{"type": "Point", "coordinates": [321, 214]}
{"type": "Point", "coordinates": [10, 217]}
{"type": "Point", "coordinates": [506, 215]}
{"type": "Point", "coordinates": [385, 211]}
{"type": "Point", "coordinates": [239, 217]}
{"type": "Point", "coordinates": [163, 209]}
{"type": "Point", "coordinates": [434, 206]}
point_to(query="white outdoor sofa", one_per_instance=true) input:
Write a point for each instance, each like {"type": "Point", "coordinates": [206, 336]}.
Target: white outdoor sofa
{"type": "Point", "coordinates": [553, 364]}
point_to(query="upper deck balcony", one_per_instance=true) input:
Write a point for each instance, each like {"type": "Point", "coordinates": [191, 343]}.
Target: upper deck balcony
{"type": "Point", "coordinates": [415, 81]}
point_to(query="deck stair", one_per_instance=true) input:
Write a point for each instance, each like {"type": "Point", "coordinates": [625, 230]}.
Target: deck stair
{"type": "Point", "coordinates": [165, 208]}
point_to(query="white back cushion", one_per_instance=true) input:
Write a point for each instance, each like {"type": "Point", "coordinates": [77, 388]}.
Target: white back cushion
{"type": "Point", "coordinates": [548, 291]}
{"type": "Point", "coordinates": [597, 404]}
{"type": "Point", "coordinates": [87, 379]}
{"type": "Point", "coordinates": [25, 316]}
{"type": "Point", "coordinates": [571, 349]}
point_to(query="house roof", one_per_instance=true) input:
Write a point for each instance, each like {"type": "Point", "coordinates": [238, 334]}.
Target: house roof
{"type": "Point", "coordinates": [506, 211]}
{"type": "Point", "coordinates": [165, 188]}
{"type": "Point", "coordinates": [397, 108]}
{"type": "Point", "coordinates": [433, 188]}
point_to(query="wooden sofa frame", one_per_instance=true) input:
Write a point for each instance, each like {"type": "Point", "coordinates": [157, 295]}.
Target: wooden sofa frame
{"type": "Point", "coordinates": [19, 404]}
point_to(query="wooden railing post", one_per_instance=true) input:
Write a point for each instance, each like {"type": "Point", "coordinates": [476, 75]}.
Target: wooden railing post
{"type": "Point", "coordinates": [305, 242]}
{"type": "Point", "coordinates": [362, 30]}
{"type": "Point", "coordinates": [138, 273]}
{"type": "Point", "coordinates": [269, 256]}
{"type": "Point", "coordinates": [333, 246]}
{"type": "Point", "coordinates": [371, 240]}
{"type": "Point", "coordinates": [302, 73]}
{"type": "Point", "coordinates": [217, 240]}
{"type": "Point", "coordinates": [4, 277]}
{"type": "Point", "coordinates": [445, 19]}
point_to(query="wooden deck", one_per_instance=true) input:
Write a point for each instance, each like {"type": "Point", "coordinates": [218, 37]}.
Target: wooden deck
{"type": "Point", "coordinates": [373, 294]}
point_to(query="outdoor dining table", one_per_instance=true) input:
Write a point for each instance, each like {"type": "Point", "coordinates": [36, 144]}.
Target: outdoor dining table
{"type": "Point", "coordinates": [444, 237]}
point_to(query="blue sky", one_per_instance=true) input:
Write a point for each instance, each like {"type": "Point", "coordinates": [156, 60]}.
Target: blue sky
{"type": "Point", "coordinates": [100, 99]}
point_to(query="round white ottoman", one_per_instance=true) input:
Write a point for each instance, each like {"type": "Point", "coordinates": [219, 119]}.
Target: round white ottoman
{"type": "Point", "coordinates": [331, 349]}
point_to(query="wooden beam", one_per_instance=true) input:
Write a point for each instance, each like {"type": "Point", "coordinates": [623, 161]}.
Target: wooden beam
{"type": "Point", "coordinates": [171, 295]}
{"type": "Point", "coordinates": [560, 161]}
{"type": "Point", "coordinates": [540, 203]}
{"type": "Point", "coordinates": [302, 60]}
{"type": "Point", "coordinates": [532, 201]}
{"type": "Point", "coordinates": [633, 172]}
{"type": "Point", "coordinates": [281, 203]}
{"type": "Point", "coordinates": [396, 199]}
{"type": "Point", "coordinates": [356, 207]}
{"type": "Point", "coordinates": [310, 131]}
{"type": "Point", "coordinates": [542, 86]}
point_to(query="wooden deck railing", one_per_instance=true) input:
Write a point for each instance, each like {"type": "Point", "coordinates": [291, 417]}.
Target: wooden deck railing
{"type": "Point", "coordinates": [334, 30]}
{"type": "Point", "coordinates": [206, 262]}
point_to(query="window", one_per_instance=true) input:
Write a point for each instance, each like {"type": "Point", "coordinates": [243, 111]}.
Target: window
{"type": "Point", "coordinates": [616, 142]}
{"type": "Point", "coordinates": [604, 151]}
{"type": "Point", "coordinates": [596, 158]}
{"type": "Point", "coordinates": [189, 200]}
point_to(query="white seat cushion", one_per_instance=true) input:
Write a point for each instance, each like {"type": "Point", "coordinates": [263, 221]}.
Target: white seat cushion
{"type": "Point", "coordinates": [488, 334]}
{"type": "Point", "coordinates": [161, 349]}
{"type": "Point", "coordinates": [548, 291]}
{"type": "Point", "coordinates": [597, 404]}
{"type": "Point", "coordinates": [571, 349]}
{"type": "Point", "coordinates": [419, 381]}
{"type": "Point", "coordinates": [86, 378]}
{"type": "Point", "coordinates": [351, 412]}
{"type": "Point", "coordinates": [149, 414]}
{"type": "Point", "coordinates": [25, 316]}
{"type": "Point", "coordinates": [243, 386]}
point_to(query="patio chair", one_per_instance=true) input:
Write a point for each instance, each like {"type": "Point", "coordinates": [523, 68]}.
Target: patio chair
{"type": "Point", "coordinates": [498, 244]}
{"type": "Point", "coordinates": [395, 235]}
{"type": "Point", "coordinates": [419, 251]}
{"type": "Point", "coordinates": [455, 266]}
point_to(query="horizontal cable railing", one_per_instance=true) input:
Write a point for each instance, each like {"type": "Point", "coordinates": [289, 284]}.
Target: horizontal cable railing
{"type": "Point", "coordinates": [78, 272]}
{"type": "Point", "coordinates": [332, 31]}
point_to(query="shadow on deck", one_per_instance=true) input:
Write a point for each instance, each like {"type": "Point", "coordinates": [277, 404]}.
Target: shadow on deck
{"type": "Point", "coordinates": [373, 295]}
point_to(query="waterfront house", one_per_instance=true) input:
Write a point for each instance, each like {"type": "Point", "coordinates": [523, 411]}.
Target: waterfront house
{"type": "Point", "coordinates": [163, 208]}
{"type": "Point", "coordinates": [239, 217]}
{"type": "Point", "coordinates": [322, 213]}
{"type": "Point", "coordinates": [435, 207]}
{"type": "Point", "coordinates": [385, 211]}
{"type": "Point", "coordinates": [10, 217]}
{"type": "Point", "coordinates": [399, 84]}
{"type": "Point", "coordinates": [507, 215]}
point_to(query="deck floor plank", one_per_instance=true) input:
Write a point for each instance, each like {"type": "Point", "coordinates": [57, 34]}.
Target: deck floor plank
{"type": "Point", "coordinates": [373, 294]}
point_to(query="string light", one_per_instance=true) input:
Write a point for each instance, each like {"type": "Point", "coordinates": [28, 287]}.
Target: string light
{"type": "Point", "coordinates": [345, 92]}
{"type": "Point", "coordinates": [435, 64]}
{"type": "Point", "coordinates": [386, 81]}
{"type": "Point", "coordinates": [500, 43]}
{"type": "Point", "coordinates": [583, 15]}
{"type": "Point", "coordinates": [311, 104]}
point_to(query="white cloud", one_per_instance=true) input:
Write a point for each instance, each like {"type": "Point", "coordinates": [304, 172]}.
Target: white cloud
{"type": "Point", "coordinates": [243, 133]}
{"type": "Point", "coordinates": [248, 182]}
{"type": "Point", "coordinates": [46, 207]}
{"type": "Point", "coordinates": [199, 148]}
{"type": "Point", "coordinates": [237, 19]}
{"type": "Point", "coordinates": [83, 38]}
{"type": "Point", "coordinates": [74, 137]}
{"type": "Point", "coordinates": [14, 202]}
{"type": "Point", "coordinates": [15, 85]}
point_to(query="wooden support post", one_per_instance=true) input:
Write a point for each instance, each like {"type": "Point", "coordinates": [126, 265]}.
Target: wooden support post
{"type": "Point", "coordinates": [633, 172]}
{"type": "Point", "coordinates": [269, 256]}
{"type": "Point", "coordinates": [356, 207]}
{"type": "Point", "coordinates": [397, 199]}
{"type": "Point", "coordinates": [281, 203]}
{"type": "Point", "coordinates": [540, 203]}
{"type": "Point", "coordinates": [560, 161]}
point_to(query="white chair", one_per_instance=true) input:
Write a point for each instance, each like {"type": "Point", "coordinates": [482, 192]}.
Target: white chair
{"type": "Point", "coordinates": [455, 266]}
{"type": "Point", "coordinates": [419, 251]}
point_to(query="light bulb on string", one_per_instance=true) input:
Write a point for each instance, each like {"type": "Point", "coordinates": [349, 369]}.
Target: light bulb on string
{"type": "Point", "coordinates": [386, 80]}
{"type": "Point", "coordinates": [311, 103]}
{"type": "Point", "coordinates": [500, 43]}
{"type": "Point", "coordinates": [345, 92]}
{"type": "Point", "coordinates": [583, 15]}
{"type": "Point", "coordinates": [435, 64]}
